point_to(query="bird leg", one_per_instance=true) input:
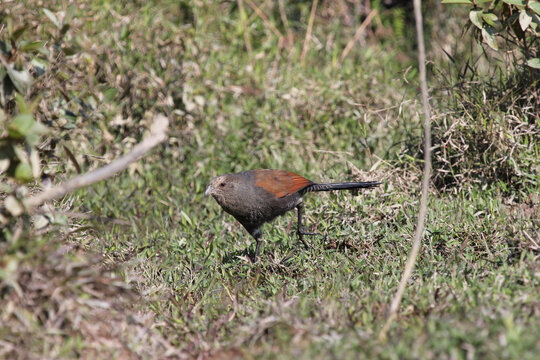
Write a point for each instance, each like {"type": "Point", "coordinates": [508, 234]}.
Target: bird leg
{"type": "Point", "coordinates": [301, 231]}
{"type": "Point", "coordinates": [258, 240]}
{"type": "Point", "coordinates": [257, 235]}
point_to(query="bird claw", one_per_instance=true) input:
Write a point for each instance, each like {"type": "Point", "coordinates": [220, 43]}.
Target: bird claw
{"type": "Point", "coordinates": [301, 234]}
{"type": "Point", "coordinates": [310, 233]}
{"type": "Point", "coordinates": [305, 243]}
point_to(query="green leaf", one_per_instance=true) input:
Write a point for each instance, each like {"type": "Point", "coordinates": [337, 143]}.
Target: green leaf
{"type": "Point", "coordinates": [20, 126]}
{"type": "Point", "coordinates": [23, 172]}
{"type": "Point", "coordinates": [20, 154]}
{"type": "Point", "coordinates": [515, 2]}
{"type": "Point", "coordinates": [18, 32]}
{"type": "Point", "coordinates": [40, 65]}
{"type": "Point", "coordinates": [491, 19]}
{"type": "Point", "coordinates": [52, 17]}
{"type": "Point", "coordinates": [28, 46]}
{"type": "Point", "coordinates": [534, 63]}
{"type": "Point", "coordinates": [32, 139]}
{"type": "Point", "coordinates": [124, 32]}
{"type": "Point", "coordinates": [39, 129]}
{"type": "Point", "coordinates": [456, 2]}
{"type": "Point", "coordinates": [70, 12]}
{"type": "Point", "coordinates": [65, 28]}
{"type": "Point", "coordinates": [5, 159]}
{"type": "Point", "coordinates": [71, 50]}
{"type": "Point", "coordinates": [186, 220]}
{"type": "Point", "coordinates": [20, 79]}
{"type": "Point", "coordinates": [13, 206]}
{"type": "Point", "coordinates": [6, 188]}
{"type": "Point", "coordinates": [109, 94]}
{"type": "Point", "coordinates": [4, 165]}
{"type": "Point", "coordinates": [476, 18]}
{"type": "Point", "coordinates": [63, 75]}
{"type": "Point", "coordinates": [2, 68]}
{"type": "Point", "coordinates": [34, 161]}
{"type": "Point", "coordinates": [534, 27]}
{"type": "Point", "coordinates": [40, 221]}
{"type": "Point", "coordinates": [33, 136]}
{"type": "Point", "coordinates": [21, 104]}
{"type": "Point", "coordinates": [535, 6]}
{"type": "Point", "coordinates": [524, 19]}
{"type": "Point", "coordinates": [488, 34]}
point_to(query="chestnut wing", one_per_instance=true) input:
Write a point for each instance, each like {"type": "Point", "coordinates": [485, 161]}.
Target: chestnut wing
{"type": "Point", "coordinates": [280, 183]}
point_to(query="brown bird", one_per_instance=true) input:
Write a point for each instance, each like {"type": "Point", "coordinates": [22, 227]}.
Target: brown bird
{"type": "Point", "coordinates": [255, 197]}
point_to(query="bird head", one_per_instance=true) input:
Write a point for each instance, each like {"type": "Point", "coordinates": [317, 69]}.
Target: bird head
{"type": "Point", "coordinates": [219, 187]}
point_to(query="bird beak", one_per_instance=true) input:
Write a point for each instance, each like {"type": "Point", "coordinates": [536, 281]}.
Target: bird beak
{"type": "Point", "coordinates": [208, 190]}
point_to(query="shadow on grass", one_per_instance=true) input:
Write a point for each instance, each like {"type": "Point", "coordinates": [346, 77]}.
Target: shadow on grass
{"type": "Point", "coordinates": [233, 256]}
{"type": "Point", "coordinates": [239, 255]}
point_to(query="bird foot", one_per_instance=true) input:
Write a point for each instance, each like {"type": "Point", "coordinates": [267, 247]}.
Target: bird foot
{"type": "Point", "coordinates": [253, 257]}
{"type": "Point", "coordinates": [301, 234]}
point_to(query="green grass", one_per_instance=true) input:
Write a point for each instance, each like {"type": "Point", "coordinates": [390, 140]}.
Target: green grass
{"type": "Point", "coordinates": [474, 292]}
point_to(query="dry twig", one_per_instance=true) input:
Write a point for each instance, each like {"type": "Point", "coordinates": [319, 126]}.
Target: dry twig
{"type": "Point", "coordinates": [425, 181]}
{"type": "Point", "coordinates": [243, 18]}
{"type": "Point", "coordinates": [309, 28]}
{"type": "Point", "coordinates": [285, 21]}
{"type": "Point", "coordinates": [267, 22]}
{"type": "Point", "coordinates": [357, 34]}
{"type": "Point", "coordinates": [158, 134]}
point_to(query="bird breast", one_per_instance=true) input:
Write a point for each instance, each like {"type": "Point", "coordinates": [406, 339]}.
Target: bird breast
{"type": "Point", "coordinates": [252, 204]}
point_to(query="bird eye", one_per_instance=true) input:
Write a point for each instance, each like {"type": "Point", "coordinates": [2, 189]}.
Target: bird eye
{"type": "Point", "coordinates": [222, 184]}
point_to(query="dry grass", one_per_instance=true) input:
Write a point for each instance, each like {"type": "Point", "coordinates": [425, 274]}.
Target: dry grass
{"type": "Point", "coordinates": [63, 299]}
{"type": "Point", "coordinates": [487, 134]}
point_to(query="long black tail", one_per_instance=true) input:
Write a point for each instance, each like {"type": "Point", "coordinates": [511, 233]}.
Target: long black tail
{"type": "Point", "coordinates": [341, 186]}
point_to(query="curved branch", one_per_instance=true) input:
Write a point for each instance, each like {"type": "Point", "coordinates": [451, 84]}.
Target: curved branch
{"type": "Point", "coordinates": [394, 307]}
{"type": "Point", "coordinates": [158, 134]}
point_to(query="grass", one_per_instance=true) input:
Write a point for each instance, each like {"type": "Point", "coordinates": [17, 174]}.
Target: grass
{"type": "Point", "coordinates": [183, 279]}
{"type": "Point", "coordinates": [474, 291]}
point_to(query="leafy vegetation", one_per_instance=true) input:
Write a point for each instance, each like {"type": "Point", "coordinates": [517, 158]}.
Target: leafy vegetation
{"type": "Point", "coordinates": [515, 23]}
{"type": "Point", "coordinates": [175, 282]}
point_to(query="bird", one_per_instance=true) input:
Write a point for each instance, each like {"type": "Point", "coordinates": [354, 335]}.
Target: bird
{"type": "Point", "coordinates": [255, 197]}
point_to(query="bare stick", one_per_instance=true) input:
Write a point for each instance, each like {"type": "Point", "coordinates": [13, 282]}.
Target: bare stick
{"type": "Point", "coordinates": [309, 28]}
{"type": "Point", "coordinates": [281, 43]}
{"type": "Point", "coordinates": [394, 307]}
{"type": "Point", "coordinates": [264, 19]}
{"type": "Point", "coordinates": [157, 135]}
{"type": "Point", "coordinates": [357, 34]}
{"type": "Point", "coordinates": [243, 17]}
{"type": "Point", "coordinates": [79, 215]}
{"type": "Point", "coordinates": [286, 24]}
